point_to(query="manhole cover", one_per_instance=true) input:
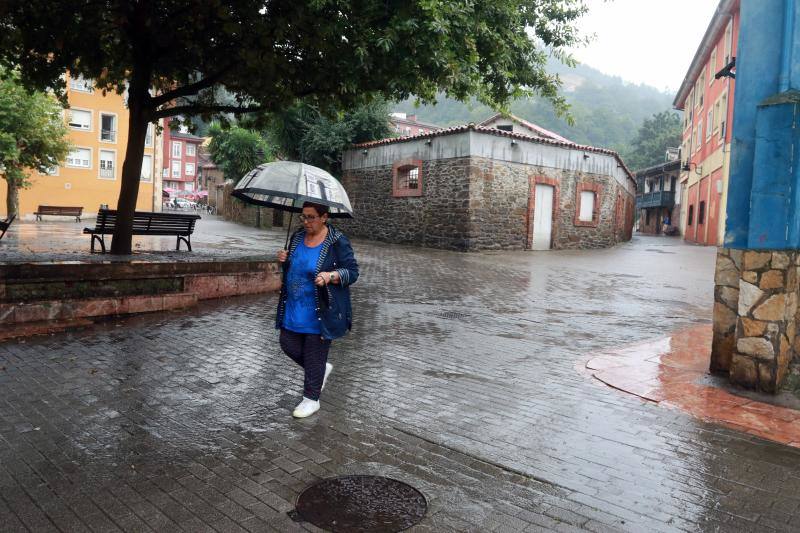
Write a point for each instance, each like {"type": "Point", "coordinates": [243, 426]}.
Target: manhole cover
{"type": "Point", "coordinates": [361, 503]}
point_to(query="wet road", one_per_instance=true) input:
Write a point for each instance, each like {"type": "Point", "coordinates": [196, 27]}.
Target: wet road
{"type": "Point", "coordinates": [458, 379]}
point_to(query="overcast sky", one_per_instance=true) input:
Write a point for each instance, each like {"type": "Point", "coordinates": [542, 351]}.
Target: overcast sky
{"type": "Point", "coordinates": [645, 41]}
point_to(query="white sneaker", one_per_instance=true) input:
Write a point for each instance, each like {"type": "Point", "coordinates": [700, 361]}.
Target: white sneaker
{"type": "Point", "coordinates": [306, 408]}
{"type": "Point", "coordinates": [328, 368]}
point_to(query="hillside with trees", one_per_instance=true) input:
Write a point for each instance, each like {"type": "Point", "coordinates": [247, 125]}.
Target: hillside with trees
{"type": "Point", "coordinates": [606, 111]}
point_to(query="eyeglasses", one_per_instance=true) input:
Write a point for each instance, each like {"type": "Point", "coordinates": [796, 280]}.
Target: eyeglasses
{"type": "Point", "coordinates": [308, 218]}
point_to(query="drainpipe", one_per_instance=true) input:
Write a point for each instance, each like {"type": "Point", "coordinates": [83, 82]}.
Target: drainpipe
{"type": "Point", "coordinates": [786, 52]}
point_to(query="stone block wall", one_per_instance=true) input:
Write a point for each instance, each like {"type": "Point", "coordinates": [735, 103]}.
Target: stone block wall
{"type": "Point", "coordinates": [476, 203]}
{"type": "Point", "coordinates": [438, 219]}
{"type": "Point", "coordinates": [236, 210]}
{"type": "Point", "coordinates": [755, 316]}
{"type": "Point", "coordinates": [498, 201]}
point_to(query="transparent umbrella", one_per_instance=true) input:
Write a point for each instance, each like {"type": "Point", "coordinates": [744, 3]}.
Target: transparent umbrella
{"type": "Point", "coordinates": [285, 185]}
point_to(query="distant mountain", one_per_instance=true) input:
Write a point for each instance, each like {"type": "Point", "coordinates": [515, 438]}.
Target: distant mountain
{"type": "Point", "coordinates": [607, 111]}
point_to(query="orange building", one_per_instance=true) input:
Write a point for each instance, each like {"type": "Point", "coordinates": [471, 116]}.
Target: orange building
{"type": "Point", "coordinates": [91, 174]}
{"type": "Point", "coordinates": [706, 99]}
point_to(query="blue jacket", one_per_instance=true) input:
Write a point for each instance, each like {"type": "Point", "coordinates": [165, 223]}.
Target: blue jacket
{"type": "Point", "coordinates": [333, 300]}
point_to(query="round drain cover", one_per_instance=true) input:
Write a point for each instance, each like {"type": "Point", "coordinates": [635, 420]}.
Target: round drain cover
{"type": "Point", "coordinates": [361, 503]}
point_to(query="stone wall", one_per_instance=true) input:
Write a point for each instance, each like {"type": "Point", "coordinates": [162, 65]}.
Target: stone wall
{"type": "Point", "coordinates": [476, 203]}
{"type": "Point", "coordinates": [439, 218]}
{"type": "Point", "coordinates": [236, 210]}
{"type": "Point", "coordinates": [498, 200]}
{"type": "Point", "coordinates": [755, 316]}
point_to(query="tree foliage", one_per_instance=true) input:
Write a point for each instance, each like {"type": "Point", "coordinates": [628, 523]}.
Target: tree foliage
{"type": "Point", "coordinates": [304, 134]}
{"type": "Point", "coordinates": [237, 150]}
{"type": "Point", "coordinates": [33, 136]}
{"type": "Point", "coordinates": [269, 54]}
{"type": "Point", "coordinates": [655, 135]}
{"type": "Point", "coordinates": [605, 110]}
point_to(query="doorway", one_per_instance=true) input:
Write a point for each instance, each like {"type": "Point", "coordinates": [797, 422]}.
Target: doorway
{"type": "Point", "coordinates": [542, 217]}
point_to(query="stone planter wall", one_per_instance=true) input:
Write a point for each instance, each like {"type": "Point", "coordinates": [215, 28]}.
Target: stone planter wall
{"type": "Point", "coordinates": [755, 316]}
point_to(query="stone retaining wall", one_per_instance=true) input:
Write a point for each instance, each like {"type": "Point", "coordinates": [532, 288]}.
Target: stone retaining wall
{"type": "Point", "coordinates": [756, 316]}
{"type": "Point", "coordinates": [48, 292]}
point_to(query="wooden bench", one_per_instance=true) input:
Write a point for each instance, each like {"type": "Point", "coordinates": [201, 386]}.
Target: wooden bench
{"type": "Point", "coordinates": [59, 210]}
{"type": "Point", "coordinates": [5, 224]}
{"type": "Point", "coordinates": [145, 223]}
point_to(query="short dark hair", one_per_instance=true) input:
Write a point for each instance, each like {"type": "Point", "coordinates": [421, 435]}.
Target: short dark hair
{"type": "Point", "coordinates": [319, 208]}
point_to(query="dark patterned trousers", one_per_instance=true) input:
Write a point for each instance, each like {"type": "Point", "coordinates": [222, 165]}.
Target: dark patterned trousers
{"type": "Point", "coordinates": [310, 351]}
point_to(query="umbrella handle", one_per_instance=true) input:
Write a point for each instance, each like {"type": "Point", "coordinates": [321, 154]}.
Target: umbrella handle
{"type": "Point", "coordinates": [288, 232]}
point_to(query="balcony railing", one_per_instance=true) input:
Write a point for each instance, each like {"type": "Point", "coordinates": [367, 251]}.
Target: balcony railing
{"type": "Point", "coordinates": [656, 199]}
{"type": "Point", "coordinates": [108, 135]}
{"type": "Point", "coordinates": [107, 173]}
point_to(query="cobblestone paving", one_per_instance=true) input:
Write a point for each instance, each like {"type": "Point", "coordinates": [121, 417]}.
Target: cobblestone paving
{"type": "Point", "coordinates": [459, 379]}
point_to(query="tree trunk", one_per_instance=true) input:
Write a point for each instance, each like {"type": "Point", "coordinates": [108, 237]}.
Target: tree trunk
{"type": "Point", "coordinates": [132, 167]}
{"type": "Point", "coordinates": [12, 198]}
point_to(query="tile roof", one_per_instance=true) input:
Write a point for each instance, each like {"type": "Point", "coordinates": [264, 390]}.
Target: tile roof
{"type": "Point", "coordinates": [499, 133]}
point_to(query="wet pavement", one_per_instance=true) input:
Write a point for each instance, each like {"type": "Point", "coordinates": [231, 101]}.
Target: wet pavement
{"type": "Point", "coordinates": [459, 379]}
{"type": "Point", "coordinates": [62, 239]}
{"type": "Point", "coordinates": [673, 371]}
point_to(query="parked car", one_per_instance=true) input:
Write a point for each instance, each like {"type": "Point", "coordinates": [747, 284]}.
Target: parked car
{"type": "Point", "coordinates": [183, 203]}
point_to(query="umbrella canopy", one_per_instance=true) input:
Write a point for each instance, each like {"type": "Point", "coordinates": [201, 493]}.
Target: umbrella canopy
{"type": "Point", "coordinates": [287, 184]}
{"type": "Point", "coordinates": [202, 194]}
{"type": "Point", "coordinates": [168, 190]}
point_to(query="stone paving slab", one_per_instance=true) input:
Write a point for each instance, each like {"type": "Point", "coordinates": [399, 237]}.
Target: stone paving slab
{"type": "Point", "coordinates": [459, 379]}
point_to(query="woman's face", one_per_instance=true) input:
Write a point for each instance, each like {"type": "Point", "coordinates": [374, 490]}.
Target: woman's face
{"type": "Point", "coordinates": [312, 222]}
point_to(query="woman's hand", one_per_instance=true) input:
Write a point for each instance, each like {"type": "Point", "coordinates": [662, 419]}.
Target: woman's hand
{"type": "Point", "coordinates": [282, 256]}
{"type": "Point", "coordinates": [323, 278]}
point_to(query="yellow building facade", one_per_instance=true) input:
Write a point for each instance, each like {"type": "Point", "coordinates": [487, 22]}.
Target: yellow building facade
{"type": "Point", "coordinates": [91, 175]}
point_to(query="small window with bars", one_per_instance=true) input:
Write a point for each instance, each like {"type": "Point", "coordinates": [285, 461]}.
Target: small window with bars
{"type": "Point", "coordinates": [407, 178]}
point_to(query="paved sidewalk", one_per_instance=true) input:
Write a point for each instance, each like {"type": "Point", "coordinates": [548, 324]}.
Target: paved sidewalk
{"type": "Point", "coordinates": [459, 379]}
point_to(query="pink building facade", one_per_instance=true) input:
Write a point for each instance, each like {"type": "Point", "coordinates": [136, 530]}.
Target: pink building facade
{"type": "Point", "coordinates": [706, 99]}
{"type": "Point", "coordinates": [181, 158]}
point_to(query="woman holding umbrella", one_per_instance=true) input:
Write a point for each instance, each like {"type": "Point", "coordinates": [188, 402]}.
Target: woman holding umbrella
{"type": "Point", "coordinates": [314, 306]}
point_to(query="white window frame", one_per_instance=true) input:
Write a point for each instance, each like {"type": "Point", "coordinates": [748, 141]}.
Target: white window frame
{"type": "Point", "coordinates": [173, 174]}
{"type": "Point", "coordinates": [587, 207]}
{"type": "Point", "coordinates": [89, 160]}
{"type": "Point", "coordinates": [188, 168]}
{"type": "Point", "coordinates": [81, 84]}
{"type": "Point", "coordinates": [146, 165]}
{"type": "Point", "coordinates": [709, 123]}
{"type": "Point", "coordinates": [115, 131]}
{"type": "Point", "coordinates": [188, 186]}
{"type": "Point", "coordinates": [82, 110]}
{"type": "Point", "coordinates": [190, 150]}
{"type": "Point", "coordinates": [712, 66]}
{"type": "Point", "coordinates": [151, 132]}
{"type": "Point", "coordinates": [100, 164]}
{"type": "Point", "coordinates": [728, 42]}
{"type": "Point", "coordinates": [723, 119]}
{"type": "Point", "coordinates": [179, 146]}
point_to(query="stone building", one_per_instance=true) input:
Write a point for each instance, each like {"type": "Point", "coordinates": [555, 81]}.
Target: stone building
{"type": "Point", "coordinates": [478, 188]}
{"type": "Point", "coordinates": [658, 197]}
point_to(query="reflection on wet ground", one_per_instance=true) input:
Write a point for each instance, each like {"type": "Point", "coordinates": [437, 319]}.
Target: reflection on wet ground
{"type": "Point", "coordinates": [459, 379]}
{"type": "Point", "coordinates": [673, 371]}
